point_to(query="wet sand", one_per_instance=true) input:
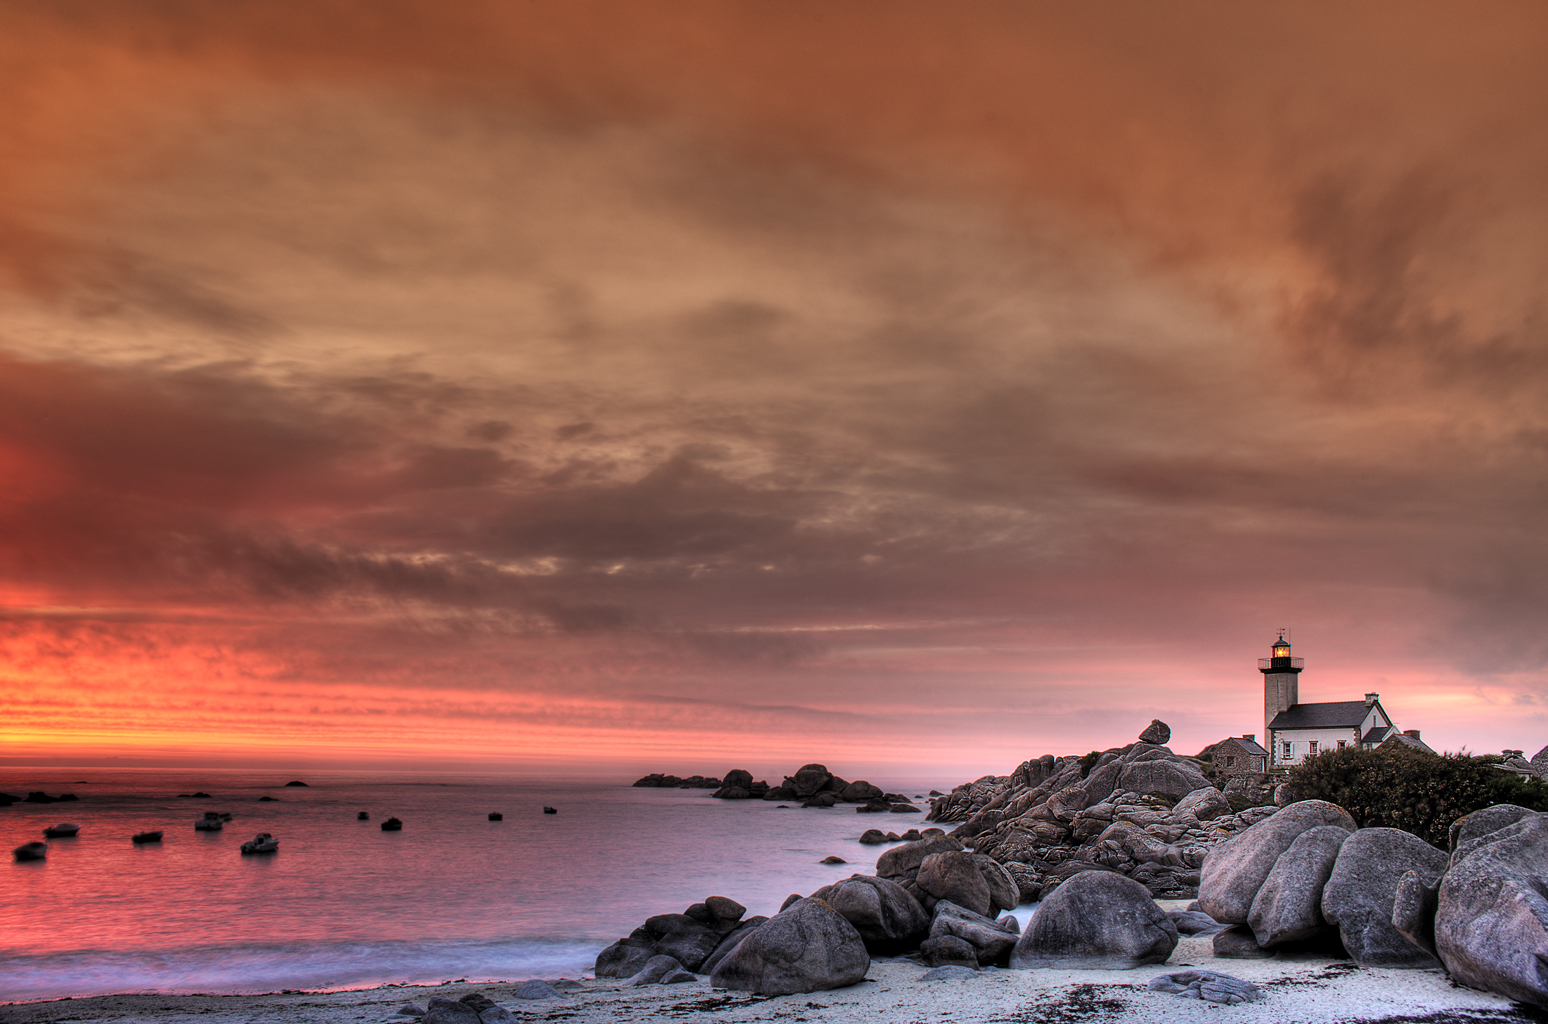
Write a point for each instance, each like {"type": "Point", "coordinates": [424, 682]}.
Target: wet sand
{"type": "Point", "coordinates": [1301, 989]}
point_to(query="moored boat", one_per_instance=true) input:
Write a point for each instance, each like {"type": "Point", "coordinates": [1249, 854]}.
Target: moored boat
{"type": "Point", "coordinates": [211, 822]}
{"type": "Point", "coordinates": [30, 851]}
{"type": "Point", "coordinates": [61, 831]}
{"type": "Point", "coordinates": [261, 843]}
{"type": "Point", "coordinates": [146, 837]}
{"type": "Point", "coordinates": [392, 825]}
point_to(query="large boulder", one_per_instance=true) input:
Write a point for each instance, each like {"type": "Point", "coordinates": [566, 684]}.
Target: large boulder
{"type": "Point", "coordinates": [1484, 821]}
{"type": "Point", "coordinates": [1361, 890]}
{"type": "Point", "coordinates": [991, 940]}
{"type": "Point", "coordinates": [1157, 732]}
{"type": "Point", "coordinates": [1174, 779]}
{"type": "Point", "coordinates": [737, 785]}
{"type": "Point", "coordinates": [1234, 870]}
{"type": "Point", "coordinates": [1097, 919]}
{"type": "Point", "coordinates": [1003, 891]}
{"type": "Point", "coordinates": [806, 948]}
{"type": "Point", "coordinates": [1204, 804]}
{"type": "Point", "coordinates": [808, 780]}
{"type": "Point", "coordinates": [901, 864]}
{"type": "Point", "coordinates": [722, 913]}
{"type": "Point", "coordinates": [655, 969]}
{"type": "Point", "coordinates": [948, 950]}
{"type": "Point", "coordinates": [1491, 919]}
{"type": "Point", "coordinates": [955, 877]}
{"type": "Point", "coordinates": [727, 944]}
{"type": "Point", "coordinates": [1099, 785]}
{"type": "Point", "coordinates": [1064, 805]}
{"type": "Point", "coordinates": [623, 959]}
{"type": "Point", "coordinates": [1413, 911]}
{"type": "Point", "coordinates": [683, 938]}
{"type": "Point", "coordinates": [1289, 905]}
{"type": "Point", "coordinates": [888, 919]}
{"type": "Point", "coordinates": [861, 792]}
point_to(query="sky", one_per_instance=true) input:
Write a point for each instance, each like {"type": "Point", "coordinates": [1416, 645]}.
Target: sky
{"type": "Point", "coordinates": [643, 386]}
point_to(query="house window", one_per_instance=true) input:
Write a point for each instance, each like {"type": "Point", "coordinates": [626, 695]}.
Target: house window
{"type": "Point", "coordinates": [1230, 762]}
{"type": "Point", "coordinates": [1342, 744]}
{"type": "Point", "coordinates": [1285, 749]}
{"type": "Point", "coordinates": [1311, 748]}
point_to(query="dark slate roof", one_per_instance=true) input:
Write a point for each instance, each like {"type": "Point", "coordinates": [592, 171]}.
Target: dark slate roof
{"type": "Point", "coordinates": [1345, 714]}
{"type": "Point", "coordinates": [1251, 746]}
{"type": "Point", "coordinates": [1377, 734]}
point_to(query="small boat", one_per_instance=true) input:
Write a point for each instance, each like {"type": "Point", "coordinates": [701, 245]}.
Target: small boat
{"type": "Point", "coordinates": [362, 816]}
{"type": "Point", "coordinates": [550, 810]}
{"type": "Point", "coordinates": [496, 816]}
{"type": "Point", "coordinates": [146, 837]}
{"type": "Point", "coordinates": [392, 825]}
{"type": "Point", "coordinates": [261, 843]}
{"type": "Point", "coordinates": [61, 831]}
{"type": "Point", "coordinates": [211, 822]}
{"type": "Point", "coordinates": [30, 851]}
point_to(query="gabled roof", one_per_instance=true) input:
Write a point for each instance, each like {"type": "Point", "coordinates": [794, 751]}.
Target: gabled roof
{"type": "Point", "coordinates": [1251, 746]}
{"type": "Point", "coordinates": [1345, 714]}
{"type": "Point", "coordinates": [1378, 733]}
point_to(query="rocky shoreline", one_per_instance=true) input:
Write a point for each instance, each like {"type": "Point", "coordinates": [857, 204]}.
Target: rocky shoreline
{"type": "Point", "coordinates": [1140, 810]}
{"type": "Point", "coordinates": [812, 784]}
{"type": "Point", "coordinates": [1097, 839]}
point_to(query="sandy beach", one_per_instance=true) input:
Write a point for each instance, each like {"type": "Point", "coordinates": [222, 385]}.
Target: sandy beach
{"type": "Point", "coordinates": [1295, 989]}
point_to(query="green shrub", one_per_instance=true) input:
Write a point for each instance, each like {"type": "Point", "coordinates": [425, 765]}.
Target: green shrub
{"type": "Point", "coordinates": [1399, 787]}
{"type": "Point", "coordinates": [1088, 762]}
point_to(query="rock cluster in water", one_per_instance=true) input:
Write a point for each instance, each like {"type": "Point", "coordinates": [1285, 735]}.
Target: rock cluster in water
{"type": "Point", "coordinates": [812, 784]}
{"type": "Point", "coordinates": [1140, 810]}
{"type": "Point", "coordinates": [656, 780]}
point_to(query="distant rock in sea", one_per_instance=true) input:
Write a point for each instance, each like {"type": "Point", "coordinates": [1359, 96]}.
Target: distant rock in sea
{"type": "Point", "coordinates": [296, 782]}
{"type": "Point", "coordinates": [812, 784]}
{"type": "Point", "coordinates": [658, 781]}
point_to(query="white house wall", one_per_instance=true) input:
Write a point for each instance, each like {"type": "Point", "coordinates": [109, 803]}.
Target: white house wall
{"type": "Point", "coordinates": [1300, 741]}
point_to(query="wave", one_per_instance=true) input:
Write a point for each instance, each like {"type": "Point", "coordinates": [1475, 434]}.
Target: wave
{"type": "Point", "coordinates": [251, 969]}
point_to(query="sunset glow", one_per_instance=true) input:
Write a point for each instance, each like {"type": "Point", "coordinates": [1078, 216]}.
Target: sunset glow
{"type": "Point", "coordinates": [687, 386]}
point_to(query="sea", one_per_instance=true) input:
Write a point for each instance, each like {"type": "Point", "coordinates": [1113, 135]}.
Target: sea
{"type": "Point", "coordinates": [343, 904]}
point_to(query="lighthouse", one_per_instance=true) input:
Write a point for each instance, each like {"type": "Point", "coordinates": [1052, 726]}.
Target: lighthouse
{"type": "Point", "coordinates": [1281, 686]}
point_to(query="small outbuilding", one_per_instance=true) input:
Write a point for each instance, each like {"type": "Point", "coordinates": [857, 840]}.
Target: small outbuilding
{"type": "Point", "coordinates": [1240, 755]}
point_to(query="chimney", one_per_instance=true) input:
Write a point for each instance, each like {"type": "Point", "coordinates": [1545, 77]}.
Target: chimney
{"type": "Point", "coordinates": [1371, 698]}
{"type": "Point", "coordinates": [1250, 737]}
{"type": "Point", "coordinates": [1411, 732]}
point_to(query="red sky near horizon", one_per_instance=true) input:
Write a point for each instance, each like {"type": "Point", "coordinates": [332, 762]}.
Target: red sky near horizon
{"type": "Point", "coordinates": [685, 386]}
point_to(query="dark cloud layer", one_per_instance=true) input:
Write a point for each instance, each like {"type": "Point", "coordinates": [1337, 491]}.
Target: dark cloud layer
{"type": "Point", "coordinates": [638, 371]}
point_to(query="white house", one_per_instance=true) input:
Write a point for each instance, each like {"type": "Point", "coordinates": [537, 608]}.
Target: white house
{"type": "Point", "coordinates": [1296, 731]}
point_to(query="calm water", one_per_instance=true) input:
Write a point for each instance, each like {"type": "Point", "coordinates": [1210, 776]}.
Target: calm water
{"type": "Point", "coordinates": [344, 904]}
